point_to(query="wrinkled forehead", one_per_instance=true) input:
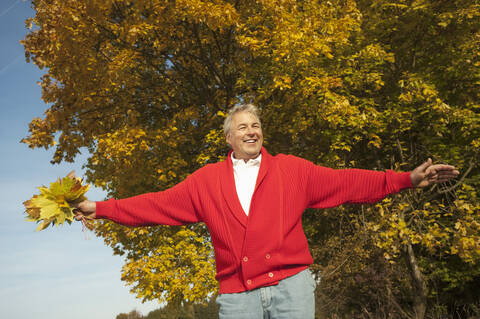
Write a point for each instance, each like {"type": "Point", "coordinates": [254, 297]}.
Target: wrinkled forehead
{"type": "Point", "coordinates": [245, 117]}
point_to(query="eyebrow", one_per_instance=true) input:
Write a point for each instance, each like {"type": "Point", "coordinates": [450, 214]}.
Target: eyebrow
{"type": "Point", "coordinates": [243, 123]}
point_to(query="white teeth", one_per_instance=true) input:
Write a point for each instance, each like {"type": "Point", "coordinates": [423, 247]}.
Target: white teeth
{"type": "Point", "coordinates": [250, 141]}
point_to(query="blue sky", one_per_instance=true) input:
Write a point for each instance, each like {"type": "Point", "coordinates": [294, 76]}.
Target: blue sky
{"type": "Point", "coordinates": [56, 273]}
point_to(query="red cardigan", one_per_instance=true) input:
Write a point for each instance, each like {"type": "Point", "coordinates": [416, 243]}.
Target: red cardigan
{"type": "Point", "coordinates": [269, 244]}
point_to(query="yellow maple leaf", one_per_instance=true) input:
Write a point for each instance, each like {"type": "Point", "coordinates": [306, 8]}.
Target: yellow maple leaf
{"type": "Point", "coordinates": [54, 205]}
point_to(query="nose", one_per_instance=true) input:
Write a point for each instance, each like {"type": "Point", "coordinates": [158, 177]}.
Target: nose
{"type": "Point", "coordinates": [251, 132]}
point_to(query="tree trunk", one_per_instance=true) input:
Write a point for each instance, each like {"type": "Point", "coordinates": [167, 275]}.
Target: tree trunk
{"type": "Point", "coordinates": [419, 286]}
{"type": "Point", "coordinates": [189, 310]}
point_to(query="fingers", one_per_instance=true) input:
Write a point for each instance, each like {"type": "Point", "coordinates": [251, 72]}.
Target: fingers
{"type": "Point", "coordinates": [443, 167]}
{"type": "Point", "coordinates": [84, 210]}
{"type": "Point", "coordinates": [77, 211]}
{"type": "Point", "coordinates": [444, 171]}
{"type": "Point", "coordinates": [82, 216]}
{"type": "Point", "coordinates": [425, 165]}
{"type": "Point", "coordinates": [441, 176]}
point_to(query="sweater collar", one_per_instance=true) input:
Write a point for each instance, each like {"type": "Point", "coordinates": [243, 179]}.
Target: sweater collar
{"type": "Point", "coordinates": [251, 162]}
{"type": "Point", "coordinates": [228, 184]}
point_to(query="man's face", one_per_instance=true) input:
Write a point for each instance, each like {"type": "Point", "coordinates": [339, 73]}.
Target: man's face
{"type": "Point", "coordinates": [245, 137]}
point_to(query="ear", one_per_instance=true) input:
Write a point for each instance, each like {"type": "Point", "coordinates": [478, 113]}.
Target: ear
{"type": "Point", "coordinates": [228, 139]}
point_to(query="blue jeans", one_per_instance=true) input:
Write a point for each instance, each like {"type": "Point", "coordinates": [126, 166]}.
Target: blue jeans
{"type": "Point", "coordinates": [292, 298]}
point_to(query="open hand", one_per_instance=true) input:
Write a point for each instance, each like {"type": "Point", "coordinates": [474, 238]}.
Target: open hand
{"type": "Point", "coordinates": [427, 174]}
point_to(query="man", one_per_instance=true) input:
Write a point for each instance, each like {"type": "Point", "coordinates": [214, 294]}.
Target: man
{"type": "Point", "coordinates": [252, 203]}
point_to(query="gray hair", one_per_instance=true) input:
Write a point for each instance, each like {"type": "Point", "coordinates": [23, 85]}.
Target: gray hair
{"type": "Point", "coordinates": [227, 124]}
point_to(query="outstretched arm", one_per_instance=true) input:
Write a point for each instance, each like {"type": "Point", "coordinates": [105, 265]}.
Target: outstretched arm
{"type": "Point", "coordinates": [173, 206]}
{"type": "Point", "coordinates": [329, 188]}
{"type": "Point", "coordinates": [427, 174]}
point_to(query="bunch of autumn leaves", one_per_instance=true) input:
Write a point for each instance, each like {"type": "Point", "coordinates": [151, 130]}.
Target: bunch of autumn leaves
{"type": "Point", "coordinates": [55, 205]}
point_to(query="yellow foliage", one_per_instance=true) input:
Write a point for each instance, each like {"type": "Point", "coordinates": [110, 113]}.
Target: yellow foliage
{"type": "Point", "coordinates": [54, 204]}
{"type": "Point", "coordinates": [145, 85]}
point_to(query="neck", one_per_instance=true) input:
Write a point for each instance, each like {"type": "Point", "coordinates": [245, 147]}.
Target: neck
{"type": "Point", "coordinates": [246, 159]}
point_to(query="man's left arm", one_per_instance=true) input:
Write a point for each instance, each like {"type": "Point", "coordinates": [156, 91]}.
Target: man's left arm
{"type": "Point", "coordinates": [327, 187]}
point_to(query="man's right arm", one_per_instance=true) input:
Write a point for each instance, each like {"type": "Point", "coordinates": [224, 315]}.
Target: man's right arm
{"type": "Point", "coordinates": [173, 206]}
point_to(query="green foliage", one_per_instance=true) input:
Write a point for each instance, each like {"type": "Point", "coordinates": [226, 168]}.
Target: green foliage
{"type": "Point", "coordinates": [134, 314]}
{"type": "Point", "coordinates": [180, 310]}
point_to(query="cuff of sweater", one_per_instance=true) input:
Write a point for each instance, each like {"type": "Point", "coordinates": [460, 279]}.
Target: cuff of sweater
{"type": "Point", "coordinates": [402, 180]}
{"type": "Point", "coordinates": [105, 209]}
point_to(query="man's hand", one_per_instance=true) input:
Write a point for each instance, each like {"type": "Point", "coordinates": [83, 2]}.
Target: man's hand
{"type": "Point", "coordinates": [427, 174]}
{"type": "Point", "coordinates": [85, 210]}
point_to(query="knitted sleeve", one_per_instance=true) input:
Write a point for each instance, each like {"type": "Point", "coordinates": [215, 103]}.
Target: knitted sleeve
{"type": "Point", "coordinates": [327, 187]}
{"type": "Point", "coordinates": [173, 206]}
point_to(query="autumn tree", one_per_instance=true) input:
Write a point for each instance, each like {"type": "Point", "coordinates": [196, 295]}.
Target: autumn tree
{"type": "Point", "coordinates": [143, 86]}
{"type": "Point", "coordinates": [425, 100]}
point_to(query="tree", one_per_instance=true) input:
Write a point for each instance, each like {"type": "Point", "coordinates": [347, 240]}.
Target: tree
{"type": "Point", "coordinates": [427, 104]}
{"type": "Point", "coordinates": [179, 311]}
{"type": "Point", "coordinates": [144, 86]}
{"type": "Point", "coordinates": [134, 314]}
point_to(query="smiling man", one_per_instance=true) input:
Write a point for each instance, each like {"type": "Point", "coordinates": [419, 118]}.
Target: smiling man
{"type": "Point", "coordinates": [252, 203]}
{"type": "Point", "coordinates": [243, 132]}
